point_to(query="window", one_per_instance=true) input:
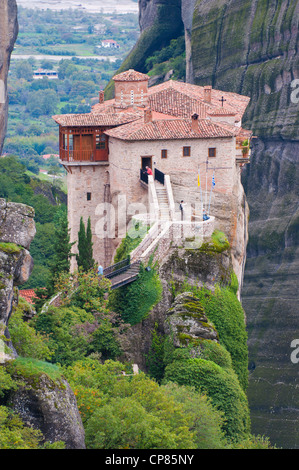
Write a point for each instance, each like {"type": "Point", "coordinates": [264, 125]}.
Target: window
{"type": "Point", "coordinates": [186, 151]}
{"type": "Point", "coordinates": [88, 196]}
{"type": "Point", "coordinates": [100, 142]}
{"type": "Point", "coordinates": [141, 96]}
{"type": "Point", "coordinates": [121, 96]}
{"type": "Point", "coordinates": [71, 142]}
{"type": "Point", "coordinates": [163, 153]}
{"type": "Point", "coordinates": [212, 152]}
{"type": "Point", "coordinates": [132, 97]}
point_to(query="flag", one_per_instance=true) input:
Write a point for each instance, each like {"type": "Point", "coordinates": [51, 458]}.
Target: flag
{"type": "Point", "coordinates": [213, 181]}
{"type": "Point", "coordinates": [198, 180]}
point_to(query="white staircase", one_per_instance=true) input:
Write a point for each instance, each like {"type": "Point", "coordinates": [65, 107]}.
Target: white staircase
{"type": "Point", "coordinates": [164, 209]}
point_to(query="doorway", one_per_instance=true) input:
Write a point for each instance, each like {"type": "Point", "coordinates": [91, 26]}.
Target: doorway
{"type": "Point", "coordinates": [146, 161]}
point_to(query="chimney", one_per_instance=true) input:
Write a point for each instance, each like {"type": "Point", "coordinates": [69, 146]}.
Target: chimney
{"type": "Point", "coordinates": [148, 115]}
{"type": "Point", "coordinates": [208, 94]}
{"type": "Point", "coordinates": [194, 122]}
{"type": "Point", "coordinates": [101, 97]}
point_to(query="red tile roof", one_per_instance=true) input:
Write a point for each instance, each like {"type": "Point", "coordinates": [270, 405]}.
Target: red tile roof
{"type": "Point", "coordinates": [169, 101]}
{"type": "Point", "coordinates": [131, 76]}
{"type": "Point", "coordinates": [221, 112]}
{"type": "Point", "coordinates": [185, 97]}
{"type": "Point", "coordinates": [95, 119]}
{"type": "Point", "coordinates": [172, 101]}
{"type": "Point", "coordinates": [28, 295]}
{"type": "Point", "coordinates": [169, 129]}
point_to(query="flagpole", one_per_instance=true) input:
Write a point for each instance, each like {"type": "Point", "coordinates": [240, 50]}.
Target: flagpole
{"type": "Point", "coordinates": [212, 187]}
{"type": "Point", "coordinates": [206, 198]}
{"type": "Point", "coordinates": [199, 184]}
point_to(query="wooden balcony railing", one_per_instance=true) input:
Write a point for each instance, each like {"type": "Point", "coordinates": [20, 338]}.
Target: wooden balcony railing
{"type": "Point", "coordinates": [83, 155]}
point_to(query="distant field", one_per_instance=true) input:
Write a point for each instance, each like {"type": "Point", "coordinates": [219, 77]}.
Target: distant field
{"type": "Point", "coordinates": [96, 6]}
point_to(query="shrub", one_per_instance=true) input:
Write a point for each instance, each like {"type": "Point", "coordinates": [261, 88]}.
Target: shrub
{"type": "Point", "coordinates": [134, 301]}
{"type": "Point", "coordinates": [221, 385]}
{"type": "Point", "coordinates": [27, 341]}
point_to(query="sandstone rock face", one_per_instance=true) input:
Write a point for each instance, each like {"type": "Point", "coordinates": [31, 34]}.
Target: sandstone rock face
{"type": "Point", "coordinates": [17, 230]}
{"type": "Point", "coordinates": [160, 21]}
{"type": "Point", "coordinates": [16, 223]}
{"type": "Point", "coordinates": [50, 406]}
{"type": "Point", "coordinates": [8, 35]}
{"type": "Point", "coordinates": [251, 47]}
{"type": "Point", "coordinates": [200, 269]}
{"type": "Point", "coordinates": [187, 322]}
{"type": "Point", "coordinates": [270, 291]}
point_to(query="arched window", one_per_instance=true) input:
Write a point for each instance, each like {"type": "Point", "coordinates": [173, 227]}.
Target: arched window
{"type": "Point", "coordinates": [132, 96]}
{"type": "Point", "coordinates": [121, 96]}
{"type": "Point", "coordinates": [141, 96]}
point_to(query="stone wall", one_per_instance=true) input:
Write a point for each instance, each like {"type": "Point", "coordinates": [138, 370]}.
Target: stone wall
{"type": "Point", "coordinates": [228, 202]}
{"type": "Point", "coordinates": [133, 93]}
{"type": "Point", "coordinates": [84, 182]}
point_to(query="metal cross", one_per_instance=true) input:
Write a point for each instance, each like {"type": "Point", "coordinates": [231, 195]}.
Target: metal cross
{"type": "Point", "coordinates": [222, 101]}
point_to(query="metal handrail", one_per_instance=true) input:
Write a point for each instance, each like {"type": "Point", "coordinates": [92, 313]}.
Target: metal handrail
{"type": "Point", "coordinates": [115, 269]}
{"type": "Point", "coordinates": [143, 176]}
{"type": "Point", "coordinates": [159, 176]}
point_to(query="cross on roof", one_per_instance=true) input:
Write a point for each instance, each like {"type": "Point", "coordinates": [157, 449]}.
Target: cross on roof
{"type": "Point", "coordinates": [222, 101]}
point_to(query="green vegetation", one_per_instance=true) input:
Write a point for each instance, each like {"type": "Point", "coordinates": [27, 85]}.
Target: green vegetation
{"type": "Point", "coordinates": [134, 412]}
{"type": "Point", "coordinates": [73, 32]}
{"type": "Point", "coordinates": [48, 203]}
{"type": "Point", "coordinates": [132, 239]}
{"type": "Point", "coordinates": [26, 367]}
{"type": "Point", "coordinates": [171, 57]}
{"type": "Point", "coordinates": [81, 325]}
{"type": "Point", "coordinates": [27, 341]}
{"type": "Point", "coordinates": [225, 312]}
{"type": "Point", "coordinates": [85, 254]}
{"type": "Point", "coordinates": [220, 384]}
{"type": "Point", "coordinates": [14, 434]}
{"type": "Point", "coordinates": [10, 248]}
{"type": "Point", "coordinates": [135, 301]}
{"type": "Point", "coordinates": [200, 403]}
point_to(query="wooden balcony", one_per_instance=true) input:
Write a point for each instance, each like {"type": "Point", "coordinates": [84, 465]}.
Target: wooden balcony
{"type": "Point", "coordinates": [84, 156]}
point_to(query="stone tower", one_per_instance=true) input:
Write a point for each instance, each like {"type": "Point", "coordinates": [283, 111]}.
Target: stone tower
{"type": "Point", "coordinates": [84, 152]}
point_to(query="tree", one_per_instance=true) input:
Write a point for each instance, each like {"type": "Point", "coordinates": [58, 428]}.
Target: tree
{"type": "Point", "coordinates": [85, 254]}
{"type": "Point", "coordinates": [24, 70]}
{"type": "Point", "coordinates": [62, 247]}
{"type": "Point", "coordinates": [89, 245]}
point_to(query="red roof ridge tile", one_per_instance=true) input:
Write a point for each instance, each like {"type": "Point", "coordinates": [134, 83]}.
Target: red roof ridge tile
{"type": "Point", "coordinates": [131, 76]}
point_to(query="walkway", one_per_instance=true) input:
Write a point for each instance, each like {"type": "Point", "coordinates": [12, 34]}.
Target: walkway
{"type": "Point", "coordinates": [166, 229]}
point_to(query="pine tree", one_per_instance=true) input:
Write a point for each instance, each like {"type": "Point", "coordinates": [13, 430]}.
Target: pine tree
{"type": "Point", "coordinates": [62, 246]}
{"type": "Point", "coordinates": [82, 249]}
{"type": "Point", "coordinates": [85, 253]}
{"type": "Point", "coordinates": [62, 257]}
{"type": "Point", "coordinates": [89, 261]}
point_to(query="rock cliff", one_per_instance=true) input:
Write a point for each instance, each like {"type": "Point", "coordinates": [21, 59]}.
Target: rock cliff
{"type": "Point", "coordinates": [17, 230]}
{"type": "Point", "coordinates": [8, 35]}
{"type": "Point", "coordinates": [251, 47]}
